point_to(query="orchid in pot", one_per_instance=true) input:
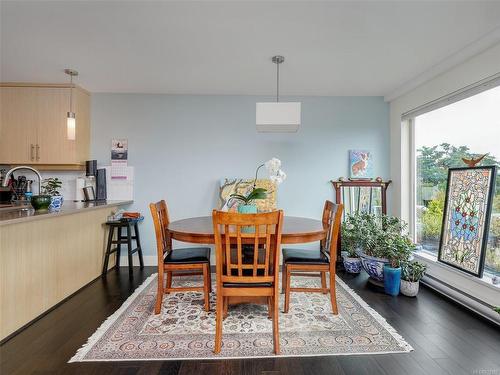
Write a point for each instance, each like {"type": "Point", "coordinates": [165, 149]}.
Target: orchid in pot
{"type": "Point", "coordinates": [246, 201]}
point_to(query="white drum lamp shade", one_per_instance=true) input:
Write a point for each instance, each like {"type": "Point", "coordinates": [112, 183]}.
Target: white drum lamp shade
{"type": "Point", "coordinates": [278, 117]}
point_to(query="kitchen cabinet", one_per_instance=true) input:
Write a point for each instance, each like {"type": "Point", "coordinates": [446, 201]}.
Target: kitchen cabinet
{"type": "Point", "coordinates": [33, 125]}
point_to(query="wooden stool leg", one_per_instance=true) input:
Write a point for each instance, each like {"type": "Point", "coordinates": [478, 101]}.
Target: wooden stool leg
{"type": "Point", "coordinates": [276, 334]}
{"type": "Point", "coordinates": [218, 322]}
{"type": "Point", "coordinates": [323, 282]}
{"type": "Point", "coordinates": [159, 293]}
{"type": "Point", "coordinates": [138, 243]}
{"type": "Point", "coordinates": [287, 289]}
{"type": "Point", "coordinates": [206, 292]}
{"type": "Point", "coordinates": [118, 247]}
{"type": "Point", "coordinates": [108, 250]}
{"type": "Point", "coordinates": [333, 295]}
{"type": "Point", "coordinates": [129, 246]}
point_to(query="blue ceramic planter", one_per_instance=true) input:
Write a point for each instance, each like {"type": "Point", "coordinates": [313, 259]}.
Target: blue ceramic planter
{"type": "Point", "coordinates": [392, 280]}
{"type": "Point", "coordinates": [56, 202]}
{"type": "Point", "coordinates": [247, 209]}
{"type": "Point", "coordinates": [373, 266]}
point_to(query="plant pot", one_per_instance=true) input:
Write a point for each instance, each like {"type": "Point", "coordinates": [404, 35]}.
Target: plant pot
{"type": "Point", "coordinates": [352, 265]}
{"type": "Point", "coordinates": [373, 266]}
{"type": "Point", "coordinates": [56, 202]}
{"type": "Point", "coordinates": [409, 288]}
{"type": "Point", "coordinates": [392, 280]}
{"type": "Point", "coordinates": [247, 209]}
{"type": "Point", "coordinates": [40, 202]}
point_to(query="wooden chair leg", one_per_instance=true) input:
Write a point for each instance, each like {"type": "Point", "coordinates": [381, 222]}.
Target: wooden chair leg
{"type": "Point", "coordinates": [283, 278]}
{"type": "Point", "coordinates": [206, 287]}
{"type": "Point", "coordinates": [276, 334]}
{"type": "Point", "coordinates": [169, 280]}
{"type": "Point", "coordinates": [225, 306]}
{"type": "Point", "coordinates": [159, 294]}
{"type": "Point", "coordinates": [333, 295]}
{"type": "Point", "coordinates": [218, 322]}
{"type": "Point", "coordinates": [323, 282]}
{"type": "Point", "coordinates": [210, 278]}
{"type": "Point", "coordinates": [287, 289]}
{"type": "Point", "coordinates": [269, 307]}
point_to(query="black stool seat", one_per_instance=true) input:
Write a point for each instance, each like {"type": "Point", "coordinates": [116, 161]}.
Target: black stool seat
{"type": "Point", "coordinates": [302, 256]}
{"type": "Point", "coordinates": [189, 255]}
{"type": "Point", "coordinates": [125, 225]}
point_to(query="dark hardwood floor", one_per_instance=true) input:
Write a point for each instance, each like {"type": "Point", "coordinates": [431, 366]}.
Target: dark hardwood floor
{"type": "Point", "coordinates": [447, 339]}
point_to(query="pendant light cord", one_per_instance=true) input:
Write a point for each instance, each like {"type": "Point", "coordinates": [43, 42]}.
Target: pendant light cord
{"type": "Point", "coordinates": [71, 94]}
{"type": "Point", "coordinates": [277, 82]}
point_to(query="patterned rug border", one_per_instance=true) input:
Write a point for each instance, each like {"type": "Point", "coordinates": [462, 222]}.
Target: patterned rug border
{"type": "Point", "coordinates": [96, 336]}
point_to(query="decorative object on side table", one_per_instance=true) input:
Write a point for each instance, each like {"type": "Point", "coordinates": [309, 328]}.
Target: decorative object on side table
{"type": "Point", "coordinates": [412, 272]}
{"type": "Point", "coordinates": [40, 202]}
{"type": "Point", "coordinates": [360, 164]}
{"type": "Point", "coordinates": [50, 187]}
{"type": "Point", "coordinates": [464, 233]}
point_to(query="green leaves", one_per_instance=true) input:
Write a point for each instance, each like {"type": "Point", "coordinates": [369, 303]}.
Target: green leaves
{"type": "Point", "coordinates": [413, 271]}
{"type": "Point", "coordinates": [256, 193]}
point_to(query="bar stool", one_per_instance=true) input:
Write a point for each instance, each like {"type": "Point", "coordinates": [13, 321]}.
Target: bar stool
{"type": "Point", "coordinates": [126, 239]}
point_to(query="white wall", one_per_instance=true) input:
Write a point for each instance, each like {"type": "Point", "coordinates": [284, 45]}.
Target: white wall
{"type": "Point", "coordinates": [469, 72]}
{"type": "Point", "coordinates": [181, 146]}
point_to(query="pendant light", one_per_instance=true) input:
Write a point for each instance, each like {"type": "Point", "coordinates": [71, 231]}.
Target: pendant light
{"type": "Point", "coordinates": [278, 117]}
{"type": "Point", "coordinates": [71, 118]}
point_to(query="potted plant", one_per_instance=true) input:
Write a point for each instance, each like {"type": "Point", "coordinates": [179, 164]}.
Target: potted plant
{"type": "Point", "coordinates": [50, 187]}
{"type": "Point", "coordinates": [246, 201]}
{"type": "Point", "coordinates": [398, 250]}
{"type": "Point", "coordinates": [411, 274]}
{"type": "Point", "coordinates": [350, 243]}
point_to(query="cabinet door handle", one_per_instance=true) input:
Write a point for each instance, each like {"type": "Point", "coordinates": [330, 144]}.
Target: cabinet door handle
{"type": "Point", "coordinates": [32, 155]}
{"type": "Point", "coordinates": [37, 152]}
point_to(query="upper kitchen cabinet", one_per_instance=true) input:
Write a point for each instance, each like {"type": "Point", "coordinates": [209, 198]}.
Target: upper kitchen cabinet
{"type": "Point", "coordinates": [33, 125]}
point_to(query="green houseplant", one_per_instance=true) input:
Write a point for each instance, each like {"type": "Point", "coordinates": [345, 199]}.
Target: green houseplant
{"type": "Point", "coordinates": [350, 243]}
{"type": "Point", "coordinates": [412, 272]}
{"type": "Point", "coordinates": [51, 187]}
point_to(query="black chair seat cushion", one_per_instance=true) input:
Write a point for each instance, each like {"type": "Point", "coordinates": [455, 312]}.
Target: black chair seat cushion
{"type": "Point", "coordinates": [245, 285]}
{"type": "Point", "coordinates": [300, 256]}
{"type": "Point", "coordinates": [189, 255]}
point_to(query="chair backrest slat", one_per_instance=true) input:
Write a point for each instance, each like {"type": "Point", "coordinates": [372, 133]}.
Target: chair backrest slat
{"type": "Point", "coordinates": [159, 213]}
{"type": "Point", "coordinates": [236, 232]}
{"type": "Point", "coordinates": [332, 219]}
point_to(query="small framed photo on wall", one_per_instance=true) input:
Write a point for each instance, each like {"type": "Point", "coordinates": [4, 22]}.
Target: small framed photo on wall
{"type": "Point", "coordinates": [466, 217]}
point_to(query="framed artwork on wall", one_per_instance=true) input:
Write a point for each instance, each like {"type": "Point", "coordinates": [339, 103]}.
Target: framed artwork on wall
{"type": "Point", "coordinates": [466, 217]}
{"type": "Point", "coordinates": [360, 164]}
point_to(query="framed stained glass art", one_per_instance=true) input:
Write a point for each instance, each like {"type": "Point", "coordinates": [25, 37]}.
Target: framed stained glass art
{"type": "Point", "coordinates": [467, 210]}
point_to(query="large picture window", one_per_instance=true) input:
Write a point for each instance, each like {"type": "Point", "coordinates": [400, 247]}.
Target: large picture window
{"type": "Point", "coordinates": [442, 137]}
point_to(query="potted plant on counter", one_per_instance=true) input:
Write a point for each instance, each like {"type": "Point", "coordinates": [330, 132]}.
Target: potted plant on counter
{"type": "Point", "coordinates": [398, 250]}
{"type": "Point", "coordinates": [412, 272]}
{"type": "Point", "coordinates": [50, 187]}
{"type": "Point", "coordinates": [350, 242]}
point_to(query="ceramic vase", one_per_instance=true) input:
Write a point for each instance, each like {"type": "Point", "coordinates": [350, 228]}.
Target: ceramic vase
{"type": "Point", "coordinates": [352, 265]}
{"type": "Point", "coordinates": [392, 280]}
{"type": "Point", "coordinates": [409, 288]}
{"type": "Point", "coordinates": [56, 202]}
{"type": "Point", "coordinates": [373, 266]}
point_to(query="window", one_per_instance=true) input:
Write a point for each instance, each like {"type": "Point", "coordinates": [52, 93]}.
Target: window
{"type": "Point", "coordinates": [466, 128]}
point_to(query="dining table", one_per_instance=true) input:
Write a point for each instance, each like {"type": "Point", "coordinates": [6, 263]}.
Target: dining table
{"type": "Point", "coordinates": [200, 230]}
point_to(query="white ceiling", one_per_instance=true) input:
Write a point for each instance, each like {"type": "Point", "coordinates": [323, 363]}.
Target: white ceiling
{"type": "Point", "coordinates": [331, 48]}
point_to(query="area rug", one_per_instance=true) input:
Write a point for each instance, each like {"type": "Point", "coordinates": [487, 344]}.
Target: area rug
{"type": "Point", "coordinates": [184, 330]}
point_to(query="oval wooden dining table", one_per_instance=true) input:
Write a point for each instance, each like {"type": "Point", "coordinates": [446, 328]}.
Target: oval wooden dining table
{"type": "Point", "coordinates": [200, 230]}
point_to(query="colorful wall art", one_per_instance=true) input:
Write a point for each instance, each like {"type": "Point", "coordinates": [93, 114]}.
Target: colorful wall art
{"type": "Point", "coordinates": [466, 216]}
{"type": "Point", "coordinates": [360, 164]}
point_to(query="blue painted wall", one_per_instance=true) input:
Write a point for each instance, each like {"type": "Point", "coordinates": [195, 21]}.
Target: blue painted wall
{"type": "Point", "coordinates": [182, 145]}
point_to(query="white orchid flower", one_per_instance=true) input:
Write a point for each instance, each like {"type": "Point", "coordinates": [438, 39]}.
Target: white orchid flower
{"type": "Point", "coordinates": [273, 165]}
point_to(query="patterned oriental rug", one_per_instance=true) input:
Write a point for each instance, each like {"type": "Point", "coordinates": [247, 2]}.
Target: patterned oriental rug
{"type": "Point", "coordinates": [184, 330]}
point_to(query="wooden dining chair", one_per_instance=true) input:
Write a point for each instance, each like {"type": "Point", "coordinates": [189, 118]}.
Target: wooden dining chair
{"type": "Point", "coordinates": [300, 262]}
{"type": "Point", "coordinates": [256, 277]}
{"type": "Point", "coordinates": [178, 262]}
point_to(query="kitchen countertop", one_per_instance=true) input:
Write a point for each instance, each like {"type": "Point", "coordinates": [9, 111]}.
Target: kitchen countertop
{"type": "Point", "coordinates": [8, 217]}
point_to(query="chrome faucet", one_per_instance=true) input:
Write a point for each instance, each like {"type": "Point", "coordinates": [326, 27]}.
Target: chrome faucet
{"type": "Point", "coordinates": [10, 171]}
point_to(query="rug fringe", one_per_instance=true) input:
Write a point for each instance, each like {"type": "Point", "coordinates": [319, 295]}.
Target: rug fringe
{"type": "Point", "coordinates": [96, 336]}
{"type": "Point", "coordinates": [379, 318]}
